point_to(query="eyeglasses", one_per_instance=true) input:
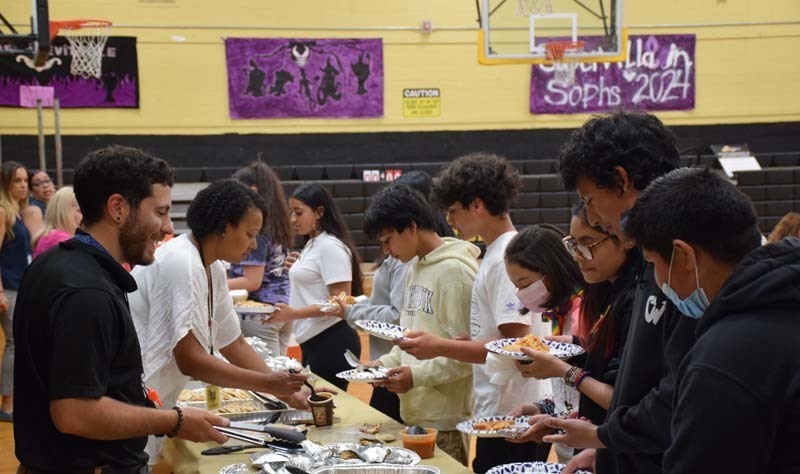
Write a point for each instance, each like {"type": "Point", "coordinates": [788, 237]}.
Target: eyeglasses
{"type": "Point", "coordinates": [36, 184]}
{"type": "Point", "coordinates": [585, 250]}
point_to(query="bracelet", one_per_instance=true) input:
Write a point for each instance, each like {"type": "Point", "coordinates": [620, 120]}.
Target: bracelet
{"type": "Point", "coordinates": [571, 375]}
{"type": "Point", "coordinates": [178, 426]}
{"type": "Point", "coordinates": [581, 376]}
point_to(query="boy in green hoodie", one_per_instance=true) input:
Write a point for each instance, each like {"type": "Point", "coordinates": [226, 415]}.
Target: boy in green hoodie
{"type": "Point", "coordinates": [433, 393]}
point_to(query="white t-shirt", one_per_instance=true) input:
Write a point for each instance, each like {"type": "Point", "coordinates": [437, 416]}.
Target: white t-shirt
{"type": "Point", "coordinates": [325, 260]}
{"type": "Point", "coordinates": [494, 303]}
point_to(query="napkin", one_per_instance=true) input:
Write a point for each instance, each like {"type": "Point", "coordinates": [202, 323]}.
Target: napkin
{"type": "Point", "coordinates": [502, 368]}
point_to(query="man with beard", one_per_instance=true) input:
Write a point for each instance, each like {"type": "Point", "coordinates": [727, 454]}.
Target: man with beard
{"type": "Point", "coordinates": [81, 403]}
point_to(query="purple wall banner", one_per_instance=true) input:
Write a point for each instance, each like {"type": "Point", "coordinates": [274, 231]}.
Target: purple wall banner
{"type": "Point", "coordinates": [659, 74]}
{"type": "Point", "coordinates": [118, 86]}
{"type": "Point", "coordinates": [285, 77]}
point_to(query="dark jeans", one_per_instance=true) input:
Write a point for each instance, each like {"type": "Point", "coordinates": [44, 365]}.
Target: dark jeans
{"type": "Point", "coordinates": [491, 452]}
{"type": "Point", "coordinates": [386, 402]}
{"type": "Point", "coordinates": [325, 352]}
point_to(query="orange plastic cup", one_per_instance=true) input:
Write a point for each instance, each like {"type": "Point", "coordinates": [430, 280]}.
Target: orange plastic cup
{"type": "Point", "coordinates": [424, 444]}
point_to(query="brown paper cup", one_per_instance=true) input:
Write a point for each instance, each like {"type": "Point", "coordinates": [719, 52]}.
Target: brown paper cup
{"type": "Point", "coordinates": [322, 411]}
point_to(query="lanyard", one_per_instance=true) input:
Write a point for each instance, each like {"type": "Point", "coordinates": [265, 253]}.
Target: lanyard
{"type": "Point", "coordinates": [210, 301]}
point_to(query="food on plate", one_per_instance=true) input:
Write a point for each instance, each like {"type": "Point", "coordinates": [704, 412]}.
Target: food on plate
{"type": "Point", "coordinates": [493, 425]}
{"type": "Point", "coordinates": [252, 304]}
{"type": "Point", "coordinates": [347, 299]}
{"type": "Point", "coordinates": [370, 428]}
{"type": "Point", "coordinates": [530, 341]}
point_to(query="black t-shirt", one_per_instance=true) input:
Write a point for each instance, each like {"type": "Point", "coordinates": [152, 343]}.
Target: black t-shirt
{"type": "Point", "coordinates": [74, 339]}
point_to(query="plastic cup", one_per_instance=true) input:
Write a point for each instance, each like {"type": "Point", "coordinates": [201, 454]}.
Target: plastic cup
{"type": "Point", "coordinates": [424, 444]}
{"type": "Point", "coordinates": [322, 410]}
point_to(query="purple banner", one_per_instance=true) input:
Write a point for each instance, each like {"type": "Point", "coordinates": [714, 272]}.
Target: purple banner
{"type": "Point", "coordinates": [118, 85]}
{"type": "Point", "coordinates": [658, 75]}
{"type": "Point", "coordinates": [282, 77]}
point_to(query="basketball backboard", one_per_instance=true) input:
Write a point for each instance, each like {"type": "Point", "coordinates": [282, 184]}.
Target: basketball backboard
{"type": "Point", "coordinates": [517, 31]}
{"type": "Point", "coordinates": [33, 44]}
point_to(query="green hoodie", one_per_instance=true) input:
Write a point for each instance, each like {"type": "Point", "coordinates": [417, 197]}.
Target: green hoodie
{"type": "Point", "coordinates": [437, 300]}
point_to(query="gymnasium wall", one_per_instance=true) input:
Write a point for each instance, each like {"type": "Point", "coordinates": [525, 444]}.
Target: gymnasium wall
{"type": "Point", "coordinates": [745, 74]}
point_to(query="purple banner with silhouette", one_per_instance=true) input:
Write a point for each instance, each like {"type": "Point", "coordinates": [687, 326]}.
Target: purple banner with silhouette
{"type": "Point", "coordinates": [285, 77]}
{"type": "Point", "coordinates": [118, 85]}
{"type": "Point", "coordinates": [659, 74]}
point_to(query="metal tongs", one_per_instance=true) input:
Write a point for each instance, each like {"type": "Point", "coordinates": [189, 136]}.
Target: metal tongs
{"type": "Point", "coordinates": [278, 444]}
{"type": "Point", "coordinates": [268, 402]}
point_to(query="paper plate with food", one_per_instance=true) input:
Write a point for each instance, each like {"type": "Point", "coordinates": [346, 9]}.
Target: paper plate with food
{"type": "Point", "coordinates": [253, 307]}
{"type": "Point", "coordinates": [511, 347]}
{"type": "Point", "coordinates": [494, 426]}
{"type": "Point", "coordinates": [382, 330]}
{"type": "Point", "coordinates": [364, 374]}
{"type": "Point", "coordinates": [530, 468]}
{"type": "Point", "coordinates": [329, 305]}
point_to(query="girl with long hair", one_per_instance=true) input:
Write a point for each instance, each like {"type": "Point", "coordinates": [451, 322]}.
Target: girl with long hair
{"type": "Point", "coordinates": [608, 267]}
{"type": "Point", "coordinates": [262, 271]}
{"type": "Point", "coordinates": [328, 265]}
{"type": "Point", "coordinates": [15, 255]}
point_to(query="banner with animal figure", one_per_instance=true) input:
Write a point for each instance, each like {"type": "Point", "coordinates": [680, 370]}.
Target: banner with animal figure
{"type": "Point", "coordinates": [118, 85]}
{"type": "Point", "coordinates": [659, 74]}
{"type": "Point", "coordinates": [285, 77]}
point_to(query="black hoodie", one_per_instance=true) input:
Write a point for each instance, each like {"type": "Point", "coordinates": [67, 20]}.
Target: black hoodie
{"type": "Point", "coordinates": [637, 430]}
{"type": "Point", "coordinates": [737, 397]}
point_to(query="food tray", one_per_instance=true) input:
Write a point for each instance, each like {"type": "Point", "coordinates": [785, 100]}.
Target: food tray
{"type": "Point", "coordinates": [369, 469]}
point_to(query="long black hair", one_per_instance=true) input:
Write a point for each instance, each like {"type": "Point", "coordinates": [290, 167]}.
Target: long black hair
{"type": "Point", "coordinates": [540, 250]}
{"type": "Point", "coordinates": [277, 225]}
{"type": "Point", "coordinates": [315, 196]}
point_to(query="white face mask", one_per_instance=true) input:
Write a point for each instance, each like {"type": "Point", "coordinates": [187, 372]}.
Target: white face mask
{"type": "Point", "coordinates": [534, 296]}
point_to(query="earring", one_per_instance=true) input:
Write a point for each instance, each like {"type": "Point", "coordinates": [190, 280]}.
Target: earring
{"type": "Point", "coordinates": [118, 218]}
{"type": "Point", "coordinates": [223, 235]}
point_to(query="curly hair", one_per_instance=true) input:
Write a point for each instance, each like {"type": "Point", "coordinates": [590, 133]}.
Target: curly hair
{"type": "Point", "coordinates": [478, 175]}
{"type": "Point", "coordinates": [221, 203]}
{"type": "Point", "coordinates": [638, 142]}
{"type": "Point", "coordinates": [116, 169]}
{"type": "Point", "coordinates": [789, 225]}
{"type": "Point", "coordinates": [277, 226]}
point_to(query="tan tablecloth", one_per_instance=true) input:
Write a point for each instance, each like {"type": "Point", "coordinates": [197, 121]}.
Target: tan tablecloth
{"type": "Point", "coordinates": [184, 457]}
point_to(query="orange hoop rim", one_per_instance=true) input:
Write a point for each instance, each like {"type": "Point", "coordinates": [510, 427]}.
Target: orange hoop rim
{"type": "Point", "coordinates": [556, 49]}
{"type": "Point", "coordinates": [57, 25]}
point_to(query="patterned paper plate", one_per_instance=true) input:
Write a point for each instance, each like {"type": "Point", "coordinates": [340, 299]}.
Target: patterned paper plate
{"type": "Point", "coordinates": [382, 330]}
{"type": "Point", "coordinates": [368, 374]}
{"type": "Point", "coordinates": [520, 425]}
{"type": "Point", "coordinates": [530, 468]}
{"type": "Point", "coordinates": [562, 350]}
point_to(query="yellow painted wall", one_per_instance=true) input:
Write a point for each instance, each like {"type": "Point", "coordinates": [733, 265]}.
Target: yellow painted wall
{"type": "Point", "coordinates": [744, 73]}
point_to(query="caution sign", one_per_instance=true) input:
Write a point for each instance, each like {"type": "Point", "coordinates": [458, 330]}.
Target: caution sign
{"type": "Point", "coordinates": [422, 103]}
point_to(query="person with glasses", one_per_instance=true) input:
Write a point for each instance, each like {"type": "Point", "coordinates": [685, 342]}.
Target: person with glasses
{"type": "Point", "coordinates": [42, 189]}
{"type": "Point", "coordinates": [608, 266]}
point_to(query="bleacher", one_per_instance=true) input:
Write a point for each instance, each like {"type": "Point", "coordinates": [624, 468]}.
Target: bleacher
{"type": "Point", "coordinates": [775, 190]}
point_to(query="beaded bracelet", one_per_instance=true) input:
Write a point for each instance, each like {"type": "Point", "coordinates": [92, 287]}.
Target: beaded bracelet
{"type": "Point", "coordinates": [581, 376]}
{"type": "Point", "coordinates": [178, 426]}
{"type": "Point", "coordinates": [571, 375]}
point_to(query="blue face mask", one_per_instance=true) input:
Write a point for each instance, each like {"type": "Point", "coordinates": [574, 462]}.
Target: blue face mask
{"type": "Point", "coordinates": [695, 304]}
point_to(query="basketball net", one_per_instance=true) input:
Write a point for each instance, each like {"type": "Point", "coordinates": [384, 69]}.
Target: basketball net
{"type": "Point", "coordinates": [534, 7]}
{"type": "Point", "coordinates": [87, 40]}
{"type": "Point", "coordinates": [564, 66]}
